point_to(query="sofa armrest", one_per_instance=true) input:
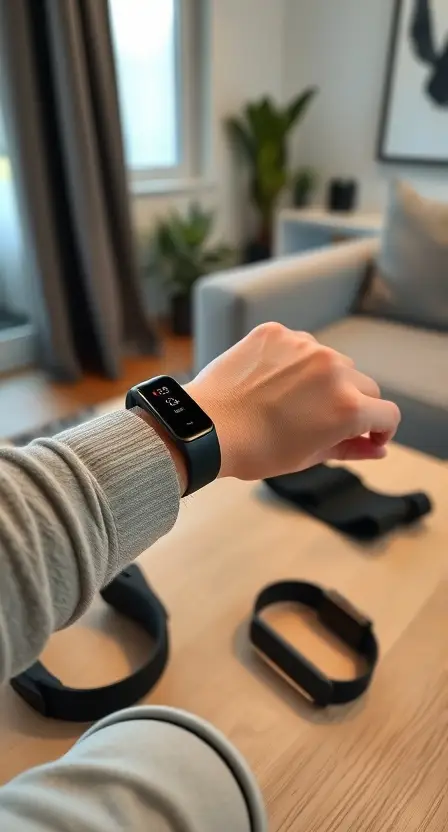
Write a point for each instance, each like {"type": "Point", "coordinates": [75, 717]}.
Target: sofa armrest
{"type": "Point", "coordinates": [304, 292]}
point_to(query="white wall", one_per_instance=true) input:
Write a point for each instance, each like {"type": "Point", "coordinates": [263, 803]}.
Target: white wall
{"type": "Point", "coordinates": [342, 46]}
{"type": "Point", "coordinates": [247, 41]}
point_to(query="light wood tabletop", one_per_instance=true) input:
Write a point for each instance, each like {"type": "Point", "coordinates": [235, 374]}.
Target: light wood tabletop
{"type": "Point", "coordinates": [376, 765]}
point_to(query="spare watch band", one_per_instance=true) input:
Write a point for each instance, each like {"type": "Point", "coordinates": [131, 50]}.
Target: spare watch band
{"type": "Point", "coordinates": [339, 617]}
{"type": "Point", "coordinates": [338, 497]}
{"type": "Point", "coordinates": [130, 595]}
{"type": "Point", "coordinates": [189, 427]}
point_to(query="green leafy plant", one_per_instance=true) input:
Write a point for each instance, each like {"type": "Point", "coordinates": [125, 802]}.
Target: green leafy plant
{"type": "Point", "coordinates": [261, 135]}
{"type": "Point", "coordinates": [303, 183]}
{"type": "Point", "coordinates": [180, 252]}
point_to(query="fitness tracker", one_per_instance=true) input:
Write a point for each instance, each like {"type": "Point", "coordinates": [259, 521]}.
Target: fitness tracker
{"type": "Point", "coordinates": [339, 617]}
{"type": "Point", "coordinates": [130, 595]}
{"type": "Point", "coordinates": [192, 431]}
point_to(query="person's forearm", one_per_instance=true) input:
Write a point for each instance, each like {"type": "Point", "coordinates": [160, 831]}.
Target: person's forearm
{"type": "Point", "coordinates": [74, 510]}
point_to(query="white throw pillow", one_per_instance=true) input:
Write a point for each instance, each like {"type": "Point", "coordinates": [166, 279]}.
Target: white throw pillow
{"type": "Point", "coordinates": [410, 280]}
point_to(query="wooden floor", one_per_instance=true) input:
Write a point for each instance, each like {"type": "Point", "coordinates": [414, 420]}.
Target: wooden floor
{"type": "Point", "coordinates": [29, 399]}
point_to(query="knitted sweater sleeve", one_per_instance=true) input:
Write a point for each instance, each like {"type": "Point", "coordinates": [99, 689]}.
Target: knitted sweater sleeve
{"type": "Point", "coordinates": [74, 511]}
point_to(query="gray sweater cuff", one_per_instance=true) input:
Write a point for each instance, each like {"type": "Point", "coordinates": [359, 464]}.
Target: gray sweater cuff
{"type": "Point", "coordinates": [136, 474]}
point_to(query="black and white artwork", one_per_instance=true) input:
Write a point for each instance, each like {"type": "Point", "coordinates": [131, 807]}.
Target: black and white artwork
{"type": "Point", "coordinates": [414, 121]}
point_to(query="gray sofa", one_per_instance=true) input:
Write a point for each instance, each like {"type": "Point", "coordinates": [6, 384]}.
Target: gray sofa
{"type": "Point", "coordinates": [317, 292]}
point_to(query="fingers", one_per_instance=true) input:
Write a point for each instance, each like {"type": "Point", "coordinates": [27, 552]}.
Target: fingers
{"type": "Point", "coordinates": [366, 385]}
{"type": "Point", "coordinates": [380, 419]}
{"type": "Point", "coordinates": [345, 361]}
{"type": "Point", "coordinates": [381, 438]}
{"type": "Point", "coordinates": [359, 448]}
{"type": "Point", "coordinates": [337, 359]}
{"type": "Point", "coordinates": [305, 336]}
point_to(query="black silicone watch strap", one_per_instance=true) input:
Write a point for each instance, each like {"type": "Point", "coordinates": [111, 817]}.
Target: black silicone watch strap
{"type": "Point", "coordinates": [339, 617]}
{"type": "Point", "coordinates": [203, 460]}
{"type": "Point", "coordinates": [130, 595]}
{"type": "Point", "coordinates": [338, 497]}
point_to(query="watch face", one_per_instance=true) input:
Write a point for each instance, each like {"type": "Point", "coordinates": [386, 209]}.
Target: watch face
{"type": "Point", "coordinates": [175, 408]}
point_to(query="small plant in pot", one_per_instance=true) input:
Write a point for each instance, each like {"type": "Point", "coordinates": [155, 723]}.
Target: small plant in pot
{"type": "Point", "coordinates": [303, 184]}
{"type": "Point", "coordinates": [260, 136]}
{"type": "Point", "coordinates": [180, 253]}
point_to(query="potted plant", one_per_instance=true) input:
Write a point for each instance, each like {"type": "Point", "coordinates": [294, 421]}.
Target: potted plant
{"type": "Point", "coordinates": [261, 136]}
{"type": "Point", "coordinates": [303, 184]}
{"type": "Point", "coordinates": [180, 253]}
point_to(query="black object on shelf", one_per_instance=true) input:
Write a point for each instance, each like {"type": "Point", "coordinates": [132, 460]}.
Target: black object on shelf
{"type": "Point", "coordinates": [339, 498]}
{"type": "Point", "coordinates": [256, 251]}
{"type": "Point", "coordinates": [342, 195]}
{"type": "Point", "coordinates": [181, 314]}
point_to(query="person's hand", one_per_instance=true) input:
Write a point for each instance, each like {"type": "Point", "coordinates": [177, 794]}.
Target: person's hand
{"type": "Point", "coordinates": [282, 402]}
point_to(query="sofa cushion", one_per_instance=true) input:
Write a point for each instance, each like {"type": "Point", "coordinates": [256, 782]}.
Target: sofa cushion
{"type": "Point", "coordinates": [410, 281]}
{"type": "Point", "coordinates": [411, 367]}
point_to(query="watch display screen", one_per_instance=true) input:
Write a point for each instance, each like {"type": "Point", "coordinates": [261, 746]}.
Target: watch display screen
{"type": "Point", "coordinates": [176, 409]}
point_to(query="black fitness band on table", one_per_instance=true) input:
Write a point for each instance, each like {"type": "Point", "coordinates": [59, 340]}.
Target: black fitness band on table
{"type": "Point", "coordinates": [130, 595]}
{"type": "Point", "coordinates": [339, 617]}
{"type": "Point", "coordinates": [339, 498]}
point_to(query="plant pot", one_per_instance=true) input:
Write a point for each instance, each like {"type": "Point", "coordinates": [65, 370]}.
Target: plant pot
{"type": "Point", "coordinates": [302, 197]}
{"type": "Point", "coordinates": [257, 250]}
{"type": "Point", "coordinates": [181, 316]}
{"type": "Point", "coordinates": [342, 195]}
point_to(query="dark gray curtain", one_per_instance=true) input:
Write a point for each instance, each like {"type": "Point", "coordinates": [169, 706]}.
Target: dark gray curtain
{"type": "Point", "coordinates": [60, 99]}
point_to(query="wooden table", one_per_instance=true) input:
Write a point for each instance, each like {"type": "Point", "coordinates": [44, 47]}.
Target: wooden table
{"type": "Point", "coordinates": [378, 764]}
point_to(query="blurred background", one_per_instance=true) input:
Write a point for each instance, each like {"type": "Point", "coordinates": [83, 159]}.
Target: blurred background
{"type": "Point", "coordinates": [147, 144]}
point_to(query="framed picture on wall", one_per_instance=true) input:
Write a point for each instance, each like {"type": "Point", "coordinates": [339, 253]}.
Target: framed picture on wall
{"type": "Point", "coordinates": [414, 117]}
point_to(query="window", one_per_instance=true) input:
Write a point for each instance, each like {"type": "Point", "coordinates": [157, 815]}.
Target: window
{"type": "Point", "coordinates": [17, 336]}
{"type": "Point", "coordinates": [155, 44]}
